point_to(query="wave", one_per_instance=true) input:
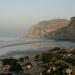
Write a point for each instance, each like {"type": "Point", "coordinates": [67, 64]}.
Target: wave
{"type": "Point", "coordinates": [22, 43]}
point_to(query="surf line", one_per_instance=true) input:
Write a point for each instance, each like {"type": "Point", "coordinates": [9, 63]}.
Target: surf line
{"type": "Point", "coordinates": [21, 44]}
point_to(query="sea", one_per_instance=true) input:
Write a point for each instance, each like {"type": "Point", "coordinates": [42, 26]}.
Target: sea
{"type": "Point", "coordinates": [16, 46]}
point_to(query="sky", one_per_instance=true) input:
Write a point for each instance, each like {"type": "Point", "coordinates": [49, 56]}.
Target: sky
{"type": "Point", "coordinates": [17, 15]}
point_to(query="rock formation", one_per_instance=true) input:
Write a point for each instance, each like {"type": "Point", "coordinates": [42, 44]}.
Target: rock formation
{"type": "Point", "coordinates": [59, 29]}
{"type": "Point", "coordinates": [65, 33]}
{"type": "Point", "coordinates": [44, 28]}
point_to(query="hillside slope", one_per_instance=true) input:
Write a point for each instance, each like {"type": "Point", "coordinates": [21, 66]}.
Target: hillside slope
{"type": "Point", "coordinates": [65, 33]}
{"type": "Point", "coordinates": [44, 28]}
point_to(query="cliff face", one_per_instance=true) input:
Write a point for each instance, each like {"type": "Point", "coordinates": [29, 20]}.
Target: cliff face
{"type": "Point", "coordinates": [65, 33]}
{"type": "Point", "coordinates": [45, 28]}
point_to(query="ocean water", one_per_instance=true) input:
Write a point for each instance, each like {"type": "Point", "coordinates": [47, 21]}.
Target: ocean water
{"type": "Point", "coordinates": [16, 46]}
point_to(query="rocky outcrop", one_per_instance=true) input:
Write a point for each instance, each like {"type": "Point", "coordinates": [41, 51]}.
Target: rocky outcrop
{"type": "Point", "coordinates": [65, 33]}
{"type": "Point", "coordinates": [45, 28]}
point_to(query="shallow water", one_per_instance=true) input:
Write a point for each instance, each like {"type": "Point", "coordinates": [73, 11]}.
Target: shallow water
{"type": "Point", "coordinates": [10, 45]}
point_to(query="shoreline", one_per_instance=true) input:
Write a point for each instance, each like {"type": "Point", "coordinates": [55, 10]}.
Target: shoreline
{"type": "Point", "coordinates": [32, 54]}
{"type": "Point", "coordinates": [18, 54]}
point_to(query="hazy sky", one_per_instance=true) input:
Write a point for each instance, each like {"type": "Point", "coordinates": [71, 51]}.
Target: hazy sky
{"type": "Point", "coordinates": [16, 15]}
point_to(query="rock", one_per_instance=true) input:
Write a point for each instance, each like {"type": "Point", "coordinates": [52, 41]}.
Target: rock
{"type": "Point", "coordinates": [44, 28]}
{"type": "Point", "coordinates": [59, 29]}
{"type": "Point", "coordinates": [65, 33]}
